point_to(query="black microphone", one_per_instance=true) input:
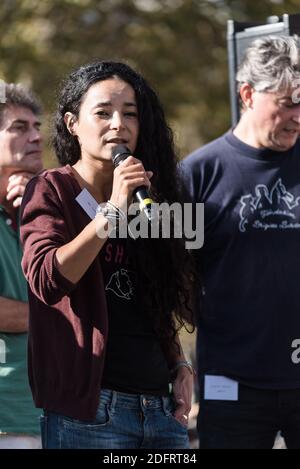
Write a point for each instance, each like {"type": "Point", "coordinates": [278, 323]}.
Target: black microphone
{"type": "Point", "coordinates": [140, 194]}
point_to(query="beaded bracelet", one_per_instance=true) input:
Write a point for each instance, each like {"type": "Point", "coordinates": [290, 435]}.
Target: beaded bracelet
{"type": "Point", "coordinates": [118, 210]}
{"type": "Point", "coordinates": [111, 212]}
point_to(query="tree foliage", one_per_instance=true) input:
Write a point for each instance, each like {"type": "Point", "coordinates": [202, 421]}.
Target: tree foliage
{"type": "Point", "coordinates": [179, 45]}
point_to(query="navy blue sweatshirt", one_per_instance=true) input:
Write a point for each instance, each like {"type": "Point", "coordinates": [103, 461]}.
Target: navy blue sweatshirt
{"type": "Point", "coordinates": [249, 314]}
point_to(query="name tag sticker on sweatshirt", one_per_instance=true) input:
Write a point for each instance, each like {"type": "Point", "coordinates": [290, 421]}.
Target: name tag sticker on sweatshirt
{"type": "Point", "coordinates": [87, 202]}
{"type": "Point", "coordinates": [220, 388]}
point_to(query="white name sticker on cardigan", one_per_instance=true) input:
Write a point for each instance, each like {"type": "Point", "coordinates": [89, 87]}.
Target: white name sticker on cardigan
{"type": "Point", "coordinates": [87, 202]}
{"type": "Point", "coordinates": [220, 388]}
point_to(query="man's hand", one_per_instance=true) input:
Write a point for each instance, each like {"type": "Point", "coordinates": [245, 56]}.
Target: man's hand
{"type": "Point", "coordinates": [16, 187]}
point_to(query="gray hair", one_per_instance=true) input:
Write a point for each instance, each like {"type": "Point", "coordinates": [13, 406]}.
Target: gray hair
{"type": "Point", "coordinates": [18, 95]}
{"type": "Point", "coordinates": [270, 63]}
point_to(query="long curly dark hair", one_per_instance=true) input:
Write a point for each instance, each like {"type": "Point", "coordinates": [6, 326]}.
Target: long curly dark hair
{"type": "Point", "coordinates": [164, 267]}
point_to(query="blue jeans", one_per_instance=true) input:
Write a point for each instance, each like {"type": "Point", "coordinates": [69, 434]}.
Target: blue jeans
{"type": "Point", "coordinates": [252, 422]}
{"type": "Point", "coordinates": [123, 421]}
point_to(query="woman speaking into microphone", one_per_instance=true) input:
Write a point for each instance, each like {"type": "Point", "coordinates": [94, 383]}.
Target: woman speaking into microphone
{"type": "Point", "coordinates": [105, 362]}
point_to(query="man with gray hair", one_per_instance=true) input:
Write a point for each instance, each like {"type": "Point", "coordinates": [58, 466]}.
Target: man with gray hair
{"type": "Point", "coordinates": [249, 314]}
{"type": "Point", "coordinates": [20, 159]}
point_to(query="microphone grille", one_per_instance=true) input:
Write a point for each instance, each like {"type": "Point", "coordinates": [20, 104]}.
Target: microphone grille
{"type": "Point", "coordinates": [119, 153]}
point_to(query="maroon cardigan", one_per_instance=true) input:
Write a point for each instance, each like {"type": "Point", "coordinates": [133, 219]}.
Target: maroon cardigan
{"type": "Point", "coordinates": [68, 324]}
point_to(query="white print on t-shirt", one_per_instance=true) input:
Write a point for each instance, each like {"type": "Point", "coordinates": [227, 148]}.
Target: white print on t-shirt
{"type": "Point", "coordinates": [2, 351]}
{"type": "Point", "coordinates": [121, 284]}
{"type": "Point", "coordinates": [269, 209]}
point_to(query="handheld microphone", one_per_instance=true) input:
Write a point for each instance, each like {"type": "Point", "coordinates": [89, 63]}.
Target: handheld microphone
{"type": "Point", "coordinates": [140, 194]}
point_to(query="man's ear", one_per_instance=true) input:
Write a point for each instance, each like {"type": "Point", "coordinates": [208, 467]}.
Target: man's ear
{"type": "Point", "coordinates": [70, 120]}
{"type": "Point", "coordinates": [246, 95]}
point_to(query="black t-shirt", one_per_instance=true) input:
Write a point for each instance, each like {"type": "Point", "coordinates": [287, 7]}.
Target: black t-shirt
{"type": "Point", "coordinates": [250, 261]}
{"type": "Point", "coordinates": [134, 361]}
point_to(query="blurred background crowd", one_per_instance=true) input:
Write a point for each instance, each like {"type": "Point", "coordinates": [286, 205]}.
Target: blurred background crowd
{"type": "Point", "coordinates": [179, 45]}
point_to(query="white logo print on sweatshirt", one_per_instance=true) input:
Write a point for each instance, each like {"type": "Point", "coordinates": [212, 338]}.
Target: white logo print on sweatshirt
{"type": "Point", "coordinates": [269, 209]}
